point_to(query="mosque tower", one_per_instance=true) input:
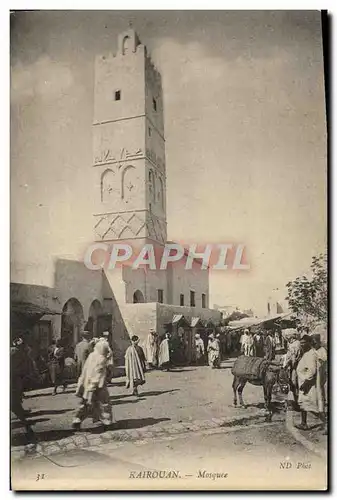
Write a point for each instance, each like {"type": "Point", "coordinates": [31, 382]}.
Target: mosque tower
{"type": "Point", "coordinates": [129, 146]}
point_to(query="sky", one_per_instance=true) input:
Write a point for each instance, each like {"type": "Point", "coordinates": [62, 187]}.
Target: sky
{"type": "Point", "coordinates": [245, 137]}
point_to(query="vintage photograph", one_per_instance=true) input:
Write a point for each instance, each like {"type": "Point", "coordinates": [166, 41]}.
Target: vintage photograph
{"type": "Point", "coordinates": [168, 294]}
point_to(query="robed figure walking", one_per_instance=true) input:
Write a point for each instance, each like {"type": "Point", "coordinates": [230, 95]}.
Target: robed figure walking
{"type": "Point", "coordinates": [135, 366]}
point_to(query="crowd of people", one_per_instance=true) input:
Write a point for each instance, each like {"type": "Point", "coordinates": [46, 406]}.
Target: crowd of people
{"type": "Point", "coordinates": [261, 344]}
{"type": "Point", "coordinates": [305, 359]}
{"type": "Point", "coordinates": [164, 353]}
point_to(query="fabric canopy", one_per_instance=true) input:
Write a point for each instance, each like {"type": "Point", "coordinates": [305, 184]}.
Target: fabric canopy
{"type": "Point", "coordinates": [177, 318]}
{"type": "Point", "coordinates": [194, 322]}
{"type": "Point", "coordinates": [247, 322]}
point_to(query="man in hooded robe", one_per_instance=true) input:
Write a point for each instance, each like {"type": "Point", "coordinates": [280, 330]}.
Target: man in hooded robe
{"type": "Point", "coordinates": [243, 341]}
{"type": "Point", "coordinates": [164, 353]}
{"type": "Point", "coordinates": [151, 349]}
{"type": "Point", "coordinates": [309, 372]}
{"type": "Point", "coordinates": [56, 366]}
{"type": "Point", "coordinates": [249, 344]}
{"type": "Point", "coordinates": [213, 349]}
{"type": "Point", "coordinates": [199, 348]}
{"type": "Point", "coordinates": [92, 389]}
{"type": "Point", "coordinates": [135, 366]}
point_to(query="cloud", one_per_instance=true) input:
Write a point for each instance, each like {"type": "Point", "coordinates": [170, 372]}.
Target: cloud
{"type": "Point", "coordinates": [44, 79]}
{"type": "Point", "coordinates": [203, 84]}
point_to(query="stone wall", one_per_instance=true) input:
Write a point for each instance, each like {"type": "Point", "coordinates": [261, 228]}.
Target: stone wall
{"type": "Point", "coordinates": [185, 280]}
{"type": "Point", "coordinates": [139, 319]}
{"type": "Point", "coordinates": [74, 280]}
{"type": "Point", "coordinates": [125, 73]}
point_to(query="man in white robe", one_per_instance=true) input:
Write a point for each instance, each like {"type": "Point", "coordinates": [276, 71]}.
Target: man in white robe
{"type": "Point", "coordinates": [243, 340]}
{"type": "Point", "coordinates": [164, 353]}
{"type": "Point", "coordinates": [151, 349]}
{"type": "Point", "coordinates": [199, 348]}
{"type": "Point", "coordinates": [309, 372]}
{"type": "Point", "coordinates": [213, 349]}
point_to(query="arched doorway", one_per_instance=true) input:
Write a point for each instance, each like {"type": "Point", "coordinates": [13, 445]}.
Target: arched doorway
{"type": "Point", "coordinates": [72, 322]}
{"type": "Point", "coordinates": [95, 312]}
{"type": "Point", "coordinates": [138, 297]}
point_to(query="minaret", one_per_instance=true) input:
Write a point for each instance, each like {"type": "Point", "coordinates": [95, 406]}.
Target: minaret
{"type": "Point", "coordinates": [129, 145]}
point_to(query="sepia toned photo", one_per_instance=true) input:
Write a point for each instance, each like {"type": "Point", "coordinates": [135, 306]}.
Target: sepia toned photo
{"type": "Point", "coordinates": [168, 294]}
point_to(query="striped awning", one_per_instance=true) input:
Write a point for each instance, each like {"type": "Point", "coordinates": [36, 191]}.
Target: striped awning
{"type": "Point", "coordinates": [177, 318]}
{"type": "Point", "coordinates": [194, 322]}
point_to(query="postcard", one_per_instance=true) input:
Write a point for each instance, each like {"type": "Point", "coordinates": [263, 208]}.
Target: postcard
{"type": "Point", "coordinates": [168, 250]}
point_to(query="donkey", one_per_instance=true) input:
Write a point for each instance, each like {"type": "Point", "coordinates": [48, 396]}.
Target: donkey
{"type": "Point", "coordinates": [269, 374]}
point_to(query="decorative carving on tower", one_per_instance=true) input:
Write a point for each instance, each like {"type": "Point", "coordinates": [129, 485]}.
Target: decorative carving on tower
{"type": "Point", "coordinates": [109, 185]}
{"type": "Point", "coordinates": [106, 156]}
{"type": "Point", "coordinates": [128, 182]}
{"type": "Point", "coordinates": [116, 226]}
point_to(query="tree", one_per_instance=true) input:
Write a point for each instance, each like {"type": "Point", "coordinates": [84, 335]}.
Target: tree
{"type": "Point", "coordinates": [308, 296]}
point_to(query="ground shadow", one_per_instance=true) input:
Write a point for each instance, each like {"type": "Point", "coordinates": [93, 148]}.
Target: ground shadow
{"type": "Point", "coordinates": [276, 406]}
{"type": "Point", "coordinates": [17, 424]}
{"type": "Point", "coordinates": [122, 402]}
{"type": "Point", "coordinates": [55, 435]}
{"type": "Point", "coordinates": [30, 396]}
{"type": "Point", "coordinates": [48, 412]}
{"type": "Point", "coordinates": [157, 393]}
{"type": "Point", "coordinates": [137, 423]}
{"type": "Point", "coordinates": [120, 396]}
{"type": "Point", "coordinates": [60, 392]}
{"type": "Point", "coordinates": [179, 370]}
{"type": "Point", "coordinates": [43, 436]}
{"type": "Point", "coordinates": [127, 424]}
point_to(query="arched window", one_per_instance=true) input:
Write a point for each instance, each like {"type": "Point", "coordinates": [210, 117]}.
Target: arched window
{"type": "Point", "coordinates": [108, 184]}
{"type": "Point", "coordinates": [126, 45]}
{"type": "Point", "coordinates": [128, 182]}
